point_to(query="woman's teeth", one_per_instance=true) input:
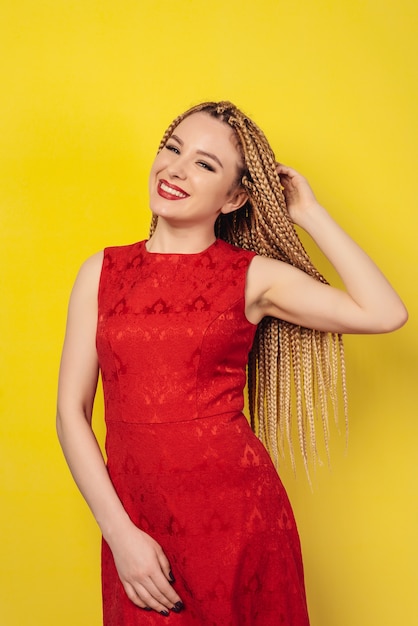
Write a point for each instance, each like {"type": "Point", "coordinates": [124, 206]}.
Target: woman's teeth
{"type": "Point", "coordinates": [172, 191]}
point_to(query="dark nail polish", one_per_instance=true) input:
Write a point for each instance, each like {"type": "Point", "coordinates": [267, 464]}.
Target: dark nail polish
{"type": "Point", "coordinates": [165, 613]}
{"type": "Point", "coordinates": [178, 607]}
{"type": "Point", "coordinates": [145, 608]}
{"type": "Point", "coordinates": [171, 577]}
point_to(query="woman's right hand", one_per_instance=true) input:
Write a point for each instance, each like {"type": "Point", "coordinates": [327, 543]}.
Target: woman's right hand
{"type": "Point", "coordinates": [142, 566]}
{"type": "Point", "coordinates": [144, 571]}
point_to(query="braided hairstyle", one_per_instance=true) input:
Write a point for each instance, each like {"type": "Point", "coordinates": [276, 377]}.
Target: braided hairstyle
{"type": "Point", "coordinates": [291, 369]}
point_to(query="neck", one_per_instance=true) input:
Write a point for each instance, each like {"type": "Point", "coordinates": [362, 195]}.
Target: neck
{"type": "Point", "coordinates": [168, 240]}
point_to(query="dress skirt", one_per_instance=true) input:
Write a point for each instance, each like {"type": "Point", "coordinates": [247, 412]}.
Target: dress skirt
{"type": "Point", "coordinates": [208, 493]}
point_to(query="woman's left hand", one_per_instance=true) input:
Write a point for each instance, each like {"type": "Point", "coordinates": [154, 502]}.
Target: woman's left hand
{"type": "Point", "coordinates": [297, 192]}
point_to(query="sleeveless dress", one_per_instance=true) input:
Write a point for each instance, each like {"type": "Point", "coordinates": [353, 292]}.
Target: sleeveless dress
{"type": "Point", "coordinates": [173, 343]}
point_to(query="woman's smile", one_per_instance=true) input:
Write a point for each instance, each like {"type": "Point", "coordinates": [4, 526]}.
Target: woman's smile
{"type": "Point", "coordinates": [170, 192]}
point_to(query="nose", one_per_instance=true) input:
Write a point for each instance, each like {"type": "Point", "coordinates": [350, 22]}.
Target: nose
{"type": "Point", "coordinates": [177, 168]}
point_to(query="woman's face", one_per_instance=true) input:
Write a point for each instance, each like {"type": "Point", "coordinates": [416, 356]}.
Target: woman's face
{"type": "Point", "coordinates": [193, 178]}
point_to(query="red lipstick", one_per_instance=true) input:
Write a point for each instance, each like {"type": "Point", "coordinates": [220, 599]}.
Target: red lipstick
{"type": "Point", "coordinates": [170, 192]}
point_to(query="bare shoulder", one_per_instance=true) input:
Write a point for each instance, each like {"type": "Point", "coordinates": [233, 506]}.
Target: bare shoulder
{"type": "Point", "coordinates": [89, 272]}
{"type": "Point", "coordinates": [86, 284]}
{"type": "Point", "coordinates": [262, 273]}
{"type": "Point", "coordinates": [261, 263]}
{"type": "Point", "coordinates": [92, 267]}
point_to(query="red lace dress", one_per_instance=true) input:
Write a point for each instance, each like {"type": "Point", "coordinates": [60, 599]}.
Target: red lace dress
{"type": "Point", "coordinates": [173, 342]}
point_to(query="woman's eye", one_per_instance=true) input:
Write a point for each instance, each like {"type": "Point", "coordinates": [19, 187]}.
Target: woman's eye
{"type": "Point", "coordinates": [172, 148]}
{"type": "Point", "coordinates": [205, 166]}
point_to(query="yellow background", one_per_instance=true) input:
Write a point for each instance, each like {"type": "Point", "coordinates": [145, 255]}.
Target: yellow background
{"type": "Point", "coordinates": [88, 87]}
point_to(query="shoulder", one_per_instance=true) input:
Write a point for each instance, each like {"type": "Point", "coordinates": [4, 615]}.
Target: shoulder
{"type": "Point", "coordinates": [91, 267]}
{"type": "Point", "coordinates": [88, 277]}
{"type": "Point", "coordinates": [90, 273]}
{"type": "Point", "coordinates": [231, 248]}
{"type": "Point", "coordinates": [261, 263]}
{"type": "Point", "coordinates": [125, 249]}
{"type": "Point", "coordinates": [264, 269]}
{"type": "Point", "coordinates": [264, 273]}
{"type": "Point", "coordinates": [119, 258]}
{"type": "Point", "coordinates": [230, 251]}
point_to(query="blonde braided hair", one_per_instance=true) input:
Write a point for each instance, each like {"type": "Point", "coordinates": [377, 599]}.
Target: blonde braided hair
{"type": "Point", "coordinates": [290, 368]}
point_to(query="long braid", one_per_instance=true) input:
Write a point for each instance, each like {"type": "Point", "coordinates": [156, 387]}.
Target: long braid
{"type": "Point", "coordinates": [290, 367]}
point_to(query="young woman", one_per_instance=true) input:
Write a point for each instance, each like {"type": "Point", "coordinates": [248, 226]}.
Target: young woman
{"type": "Point", "coordinates": [197, 528]}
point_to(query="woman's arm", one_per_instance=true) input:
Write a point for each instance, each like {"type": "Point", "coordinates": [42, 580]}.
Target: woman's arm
{"type": "Point", "coordinates": [142, 566]}
{"type": "Point", "coordinates": [274, 288]}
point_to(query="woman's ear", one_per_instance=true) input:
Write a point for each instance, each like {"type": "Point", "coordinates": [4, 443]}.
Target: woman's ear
{"type": "Point", "coordinates": [238, 198]}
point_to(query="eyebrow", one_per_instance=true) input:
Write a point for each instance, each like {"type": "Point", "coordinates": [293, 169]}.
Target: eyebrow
{"type": "Point", "coordinates": [202, 152]}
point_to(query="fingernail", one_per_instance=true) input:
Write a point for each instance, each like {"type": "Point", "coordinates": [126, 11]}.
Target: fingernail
{"type": "Point", "coordinates": [179, 606]}
{"type": "Point", "coordinates": [145, 608]}
{"type": "Point", "coordinates": [165, 613]}
{"type": "Point", "coordinates": [171, 577]}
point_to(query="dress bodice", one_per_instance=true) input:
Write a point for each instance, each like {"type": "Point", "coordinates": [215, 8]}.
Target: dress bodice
{"type": "Point", "coordinates": [172, 335]}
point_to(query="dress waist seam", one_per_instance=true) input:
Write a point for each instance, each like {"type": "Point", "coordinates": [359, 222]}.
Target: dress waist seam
{"type": "Point", "coordinates": [236, 413]}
